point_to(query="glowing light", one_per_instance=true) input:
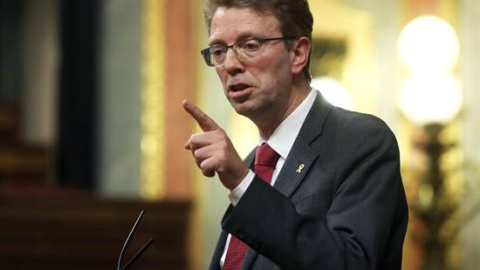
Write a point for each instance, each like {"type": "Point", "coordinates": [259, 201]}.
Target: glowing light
{"type": "Point", "coordinates": [427, 43]}
{"type": "Point", "coordinates": [333, 91]}
{"type": "Point", "coordinates": [433, 97]}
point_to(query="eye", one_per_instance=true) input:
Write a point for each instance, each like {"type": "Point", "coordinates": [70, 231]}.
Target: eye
{"type": "Point", "coordinates": [217, 51]}
{"type": "Point", "coordinates": [252, 45]}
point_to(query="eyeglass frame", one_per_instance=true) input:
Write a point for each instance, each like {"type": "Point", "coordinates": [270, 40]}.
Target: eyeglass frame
{"type": "Point", "coordinates": [206, 53]}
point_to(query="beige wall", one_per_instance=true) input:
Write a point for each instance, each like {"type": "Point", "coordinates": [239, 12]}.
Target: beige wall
{"type": "Point", "coordinates": [39, 72]}
{"type": "Point", "coordinates": [469, 31]}
{"type": "Point", "coordinates": [120, 97]}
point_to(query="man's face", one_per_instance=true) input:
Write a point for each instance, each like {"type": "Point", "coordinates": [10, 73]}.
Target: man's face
{"type": "Point", "coordinates": [260, 86]}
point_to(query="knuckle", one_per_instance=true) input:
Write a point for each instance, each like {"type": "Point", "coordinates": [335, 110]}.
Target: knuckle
{"type": "Point", "coordinates": [193, 137]}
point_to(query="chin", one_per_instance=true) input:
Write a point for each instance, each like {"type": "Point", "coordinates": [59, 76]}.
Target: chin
{"type": "Point", "coordinates": [243, 109]}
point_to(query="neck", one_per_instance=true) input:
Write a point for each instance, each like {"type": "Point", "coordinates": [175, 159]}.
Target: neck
{"type": "Point", "coordinates": [272, 119]}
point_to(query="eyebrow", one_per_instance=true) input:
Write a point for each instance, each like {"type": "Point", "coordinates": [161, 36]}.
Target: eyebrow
{"type": "Point", "coordinates": [240, 38]}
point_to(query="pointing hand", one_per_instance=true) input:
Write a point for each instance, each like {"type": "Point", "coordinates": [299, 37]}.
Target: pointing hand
{"type": "Point", "coordinates": [213, 151]}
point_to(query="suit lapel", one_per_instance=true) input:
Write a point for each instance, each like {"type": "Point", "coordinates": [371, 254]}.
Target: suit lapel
{"type": "Point", "coordinates": [249, 258]}
{"type": "Point", "coordinates": [302, 156]}
{"type": "Point", "coordinates": [297, 165]}
{"type": "Point", "coordinates": [299, 160]}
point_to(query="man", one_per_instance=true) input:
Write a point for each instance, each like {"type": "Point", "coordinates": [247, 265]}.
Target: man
{"type": "Point", "coordinates": [335, 198]}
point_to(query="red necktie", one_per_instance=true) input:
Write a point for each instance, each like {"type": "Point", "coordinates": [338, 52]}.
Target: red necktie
{"type": "Point", "coordinates": [265, 160]}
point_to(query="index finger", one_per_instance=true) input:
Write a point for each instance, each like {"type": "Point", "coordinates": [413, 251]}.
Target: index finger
{"type": "Point", "coordinates": [204, 121]}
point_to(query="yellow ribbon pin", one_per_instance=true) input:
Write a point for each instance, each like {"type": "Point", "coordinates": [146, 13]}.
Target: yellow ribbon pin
{"type": "Point", "coordinates": [300, 168]}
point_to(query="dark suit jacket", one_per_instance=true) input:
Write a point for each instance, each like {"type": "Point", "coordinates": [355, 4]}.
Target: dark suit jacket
{"type": "Point", "coordinates": [346, 209]}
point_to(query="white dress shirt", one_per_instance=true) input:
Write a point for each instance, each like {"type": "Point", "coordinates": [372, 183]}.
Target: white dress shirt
{"type": "Point", "coordinates": [281, 141]}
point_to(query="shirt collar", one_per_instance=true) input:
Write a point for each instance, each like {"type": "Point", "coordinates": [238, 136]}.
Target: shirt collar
{"type": "Point", "coordinates": [284, 136]}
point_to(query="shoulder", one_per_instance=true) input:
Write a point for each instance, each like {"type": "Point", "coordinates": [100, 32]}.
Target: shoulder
{"type": "Point", "coordinates": [361, 130]}
{"type": "Point", "coordinates": [327, 124]}
{"type": "Point", "coordinates": [324, 117]}
{"type": "Point", "coordinates": [357, 123]}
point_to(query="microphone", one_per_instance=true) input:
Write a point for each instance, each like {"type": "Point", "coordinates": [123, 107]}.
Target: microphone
{"type": "Point", "coordinates": [127, 242]}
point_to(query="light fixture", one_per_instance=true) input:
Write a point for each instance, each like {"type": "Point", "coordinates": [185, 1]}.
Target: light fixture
{"type": "Point", "coordinates": [428, 47]}
{"type": "Point", "coordinates": [333, 91]}
{"type": "Point", "coordinates": [428, 43]}
{"type": "Point", "coordinates": [431, 97]}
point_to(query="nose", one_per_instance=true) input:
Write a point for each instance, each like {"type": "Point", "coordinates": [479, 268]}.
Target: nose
{"type": "Point", "coordinates": [232, 64]}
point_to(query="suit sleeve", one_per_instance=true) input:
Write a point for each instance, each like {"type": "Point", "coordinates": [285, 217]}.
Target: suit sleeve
{"type": "Point", "coordinates": [367, 214]}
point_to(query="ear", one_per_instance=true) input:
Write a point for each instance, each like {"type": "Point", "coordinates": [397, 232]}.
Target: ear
{"type": "Point", "coordinates": [300, 54]}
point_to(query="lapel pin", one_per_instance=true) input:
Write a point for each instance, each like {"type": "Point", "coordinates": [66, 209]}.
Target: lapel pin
{"type": "Point", "coordinates": [300, 168]}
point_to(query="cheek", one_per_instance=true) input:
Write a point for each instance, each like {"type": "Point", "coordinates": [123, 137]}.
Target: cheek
{"type": "Point", "coordinates": [222, 75]}
{"type": "Point", "coordinates": [277, 74]}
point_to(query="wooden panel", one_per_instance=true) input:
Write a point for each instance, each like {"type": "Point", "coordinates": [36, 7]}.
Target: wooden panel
{"type": "Point", "coordinates": [8, 124]}
{"type": "Point", "coordinates": [71, 231]}
{"type": "Point", "coordinates": [181, 56]}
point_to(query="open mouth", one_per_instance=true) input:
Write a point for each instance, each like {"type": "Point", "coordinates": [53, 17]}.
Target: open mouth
{"type": "Point", "coordinates": [239, 91]}
{"type": "Point", "coordinates": [238, 87]}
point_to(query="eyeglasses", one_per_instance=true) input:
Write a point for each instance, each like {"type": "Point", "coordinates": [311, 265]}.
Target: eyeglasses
{"type": "Point", "coordinates": [245, 50]}
{"type": "Point", "coordinates": [127, 241]}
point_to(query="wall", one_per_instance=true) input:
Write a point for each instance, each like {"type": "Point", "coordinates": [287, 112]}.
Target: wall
{"type": "Point", "coordinates": [39, 46]}
{"type": "Point", "coordinates": [386, 25]}
{"type": "Point", "coordinates": [120, 99]}
{"type": "Point", "coordinates": [469, 32]}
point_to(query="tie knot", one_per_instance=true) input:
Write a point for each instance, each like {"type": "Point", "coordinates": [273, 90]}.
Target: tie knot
{"type": "Point", "coordinates": [266, 156]}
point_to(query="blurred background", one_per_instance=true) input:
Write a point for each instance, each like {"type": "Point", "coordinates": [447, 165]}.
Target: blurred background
{"type": "Point", "coordinates": [92, 128]}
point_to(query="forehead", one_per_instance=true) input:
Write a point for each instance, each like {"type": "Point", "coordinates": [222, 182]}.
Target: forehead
{"type": "Point", "coordinates": [230, 24]}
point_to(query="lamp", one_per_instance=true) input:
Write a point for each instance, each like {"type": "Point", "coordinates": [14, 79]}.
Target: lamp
{"type": "Point", "coordinates": [428, 43]}
{"type": "Point", "coordinates": [428, 48]}
{"type": "Point", "coordinates": [333, 91]}
{"type": "Point", "coordinates": [431, 98]}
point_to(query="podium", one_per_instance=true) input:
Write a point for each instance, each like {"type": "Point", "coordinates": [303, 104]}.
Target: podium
{"type": "Point", "coordinates": [78, 231]}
